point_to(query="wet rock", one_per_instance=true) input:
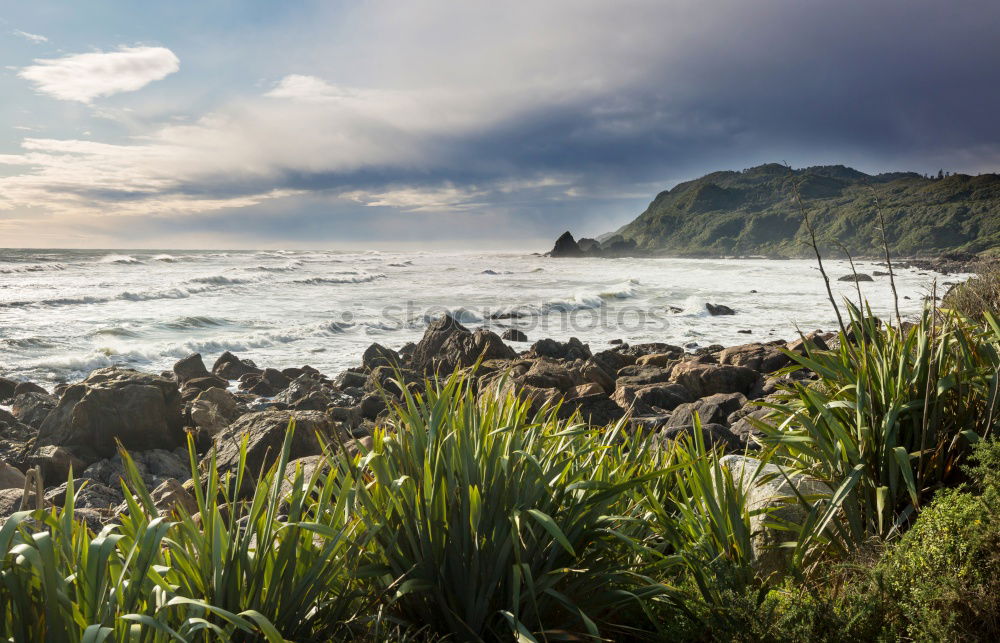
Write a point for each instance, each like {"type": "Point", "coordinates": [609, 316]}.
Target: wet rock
{"type": "Point", "coordinates": [514, 335]}
{"type": "Point", "coordinates": [230, 367]}
{"type": "Point", "coordinates": [856, 277]}
{"type": "Point", "coordinates": [275, 379]}
{"type": "Point", "coordinates": [714, 409]}
{"type": "Point", "coordinates": [142, 411]}
{"type": "Point", "coordinates": [190, 367]}
{"type": "Point", "coordinates": [719, 309]}
{"type": "Point", "coordinates": [566, 246]}
{"type": "Point", "coordinates": [28, 387]}
{"type": "Point", "coordinates": [708, 379]}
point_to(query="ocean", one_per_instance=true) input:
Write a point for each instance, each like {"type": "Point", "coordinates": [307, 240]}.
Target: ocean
{"type": "Point", "coordinates": [64, 313]}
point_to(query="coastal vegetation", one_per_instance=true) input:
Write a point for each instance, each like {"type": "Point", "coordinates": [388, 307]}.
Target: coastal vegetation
{"type": "Point", "coordinates": [754, 212]}
{"type": "Point", "coordinates": [475, 513]}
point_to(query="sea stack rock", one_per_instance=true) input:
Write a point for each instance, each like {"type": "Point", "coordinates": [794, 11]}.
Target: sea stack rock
{"type": "Point", "coordinates": [566, 246]}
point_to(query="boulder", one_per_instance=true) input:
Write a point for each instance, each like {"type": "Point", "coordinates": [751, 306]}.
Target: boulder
{"type": "Point", "coordinates": [213, 410]}
{"type": "Point", "coordinates": [583, 390]}
{"type": "Point", "coordinates": [719, 309]}
{"type": "Point", "coordinates": [195, 384]}
{"type": "Point", "coordinates": [713, 409]}
{"type": "Point", "coordinates": [32, 408]}
{"type": "Point", "coordinates": [636, 351]}
{"type": "Point", "coordinates": [10, 502]}
{"type": "Point", "coordinates": [142, 411]}
{"type": "Point", "coordinates": [89, 495]}
{"type": "Point", "coordinates": [569, 350]}
{"type": "Point", "coordinates": [378, 355]}
{"type": "Point", "coordinates": [154, 466]}
{"type": "Point", "coordinates": [708, 379]}
{"type": "Point", "coordinates": [514, 335]}
{"type": "Point", "coordinates": [265, 434]}
{"type": "Point", "coordinates": [275, 379]}
{"type": "Point", "coordinates": [447, 345]}
{"type": "Point", "coordinates": [665, 396]}
{"type": "Point", "coordinates": [547, 373]}
{"type": "Point", "coordinates": [56, 463]}
{"type": "Point", "coordinates": [231, 367]}
{"type": "Point", "coordinates": [856, 277]}
{"type": "Point", "coordinates": [642, 376]}
{"type": "Point", "coordinates": [10, 478]}
{"type": "Point", "coordinates": [28, 387]}
{"type": "Point", "coordinates": [744, 429]}
{"type": "Point", "coordinates": [566, 246]}
{"type": "Point", "coordinates": [658, 359]}
{"type": "Point", "coordinates": [765, 358]}
{"type": "Point", "coordinates": [7, 387]}
{"type": "Point", "coordinates": [773, 494]}
{"type": "Point", "coordinates": [613, 361]}
{"type": "Point", "coordinates": [171, 497]}
{"type": "Point", "coordinates": [715, 435]}
{"type": "Point", "coordinates": [190, 367]}
{"type": "Point", "coordinates": [596, 409]}
{"type": "Point", "coordinates": [15, 437]}
{"type": "Point", "coordinates": [592, 372]}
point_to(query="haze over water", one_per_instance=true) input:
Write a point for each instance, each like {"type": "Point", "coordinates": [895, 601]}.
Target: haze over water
{"type": "Point", "coordinates": [66, 312]}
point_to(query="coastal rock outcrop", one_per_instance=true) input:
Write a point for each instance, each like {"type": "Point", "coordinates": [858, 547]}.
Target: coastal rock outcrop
{"type": "Point", "coordinates": [566, 246]}
{"type": "Point", "coordinates": [141, 411]}
{"type": "Point", "coordinates": [447, 345]}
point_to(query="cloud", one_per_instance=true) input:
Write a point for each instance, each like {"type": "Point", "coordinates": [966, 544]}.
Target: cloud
{"type": "Point", "coordinates": [562, 113]}
{"type": "Point", "coordinates": [33, 37]}
{"type": "Point", "coordinates": [84, 77]}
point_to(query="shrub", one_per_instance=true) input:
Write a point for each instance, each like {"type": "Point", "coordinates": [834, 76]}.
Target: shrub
{"type": "Point", "coordinates": [487, 521]}
{"type": "Point", "coordinates": [890, 416]}
{"type": "Point", "coordinates": [979, 295]}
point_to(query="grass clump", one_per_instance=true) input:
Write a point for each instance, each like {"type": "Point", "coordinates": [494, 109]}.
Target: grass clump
{"type": "Point", "coordinates": [891, 414]}
{"type": "Point", "coordinates": [487, 520]}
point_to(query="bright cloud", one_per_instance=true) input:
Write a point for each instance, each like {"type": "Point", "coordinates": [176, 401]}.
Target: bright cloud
{"type": "Point", "coordinates": [33, 37]}
{"type": "Point", "coordinates": [84, 77]}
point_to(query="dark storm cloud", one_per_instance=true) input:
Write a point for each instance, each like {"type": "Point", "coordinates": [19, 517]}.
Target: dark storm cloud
{"type": "Point", "coordinates": [631, 100]}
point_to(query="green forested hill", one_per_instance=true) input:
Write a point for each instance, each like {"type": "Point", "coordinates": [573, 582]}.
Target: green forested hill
{"type": "Point", "coordinates": [753, 212]}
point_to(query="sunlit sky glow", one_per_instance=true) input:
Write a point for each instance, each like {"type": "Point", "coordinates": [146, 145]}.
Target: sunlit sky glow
{"type": "Point", "coordinates": [459, 124]}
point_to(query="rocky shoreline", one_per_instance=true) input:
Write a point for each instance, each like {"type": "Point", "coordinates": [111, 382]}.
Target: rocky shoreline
{"type": "Point", "coordinates": [656, 386]}
{"type": "Point", "coordinates": [615, 246]}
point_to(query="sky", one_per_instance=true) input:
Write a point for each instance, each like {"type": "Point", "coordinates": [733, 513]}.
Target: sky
{"type": "Point", "coordinates": [459, 124]}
